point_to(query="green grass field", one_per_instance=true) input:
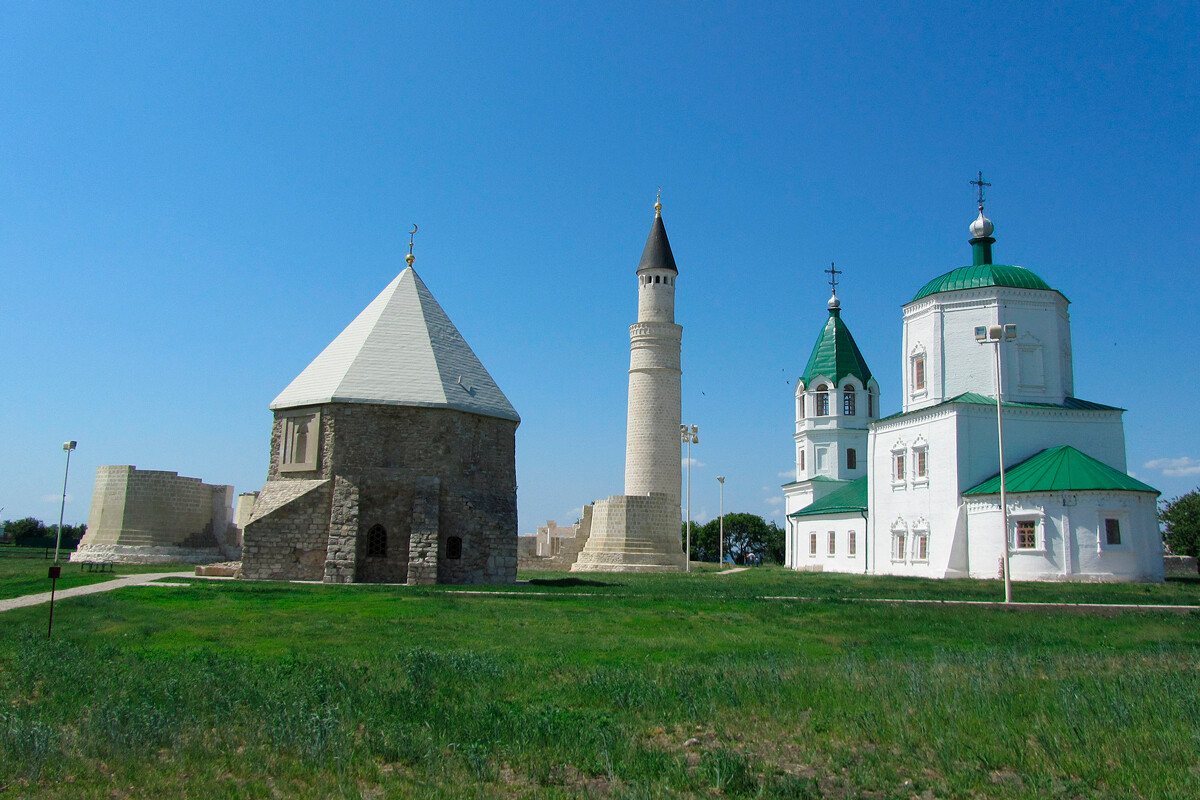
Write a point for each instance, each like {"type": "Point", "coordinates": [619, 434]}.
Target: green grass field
{"type": "Point", "coordinates": [21, 576]}
{"type": "Point", "coordinates": [602, 686]}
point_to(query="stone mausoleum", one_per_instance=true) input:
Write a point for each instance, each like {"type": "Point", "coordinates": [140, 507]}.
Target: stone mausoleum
{"type": "Point", "coordinates": [393, 458]}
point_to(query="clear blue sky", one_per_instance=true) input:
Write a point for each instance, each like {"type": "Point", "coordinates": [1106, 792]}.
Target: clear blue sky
{"type": "Point", "coordinates": [196, 197]}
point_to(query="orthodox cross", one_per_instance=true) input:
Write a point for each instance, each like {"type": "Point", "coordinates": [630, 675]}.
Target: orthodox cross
{"type": "Point", "coordinates": [833, 272]}
{"type": "Point", "coordinates": [980, 183]}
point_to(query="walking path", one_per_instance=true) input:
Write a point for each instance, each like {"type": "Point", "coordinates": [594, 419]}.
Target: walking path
{"type": "Point", "coordinates": [93, 588]}
{"type": "Point", "coordinates": [1093, 608]}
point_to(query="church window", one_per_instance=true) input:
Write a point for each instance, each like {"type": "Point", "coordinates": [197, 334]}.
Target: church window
{"type": "Point", "coordinates": [454, 547]}
{"type": "Point", "coordinates": [802, 461]}
{"type": "Point", "coordinates": [812, 543]}
{"type": "Point", "coordinates": [921, 458]}
{"type": "Point", "coordinates": [848, 401]}
{"type": "Point", "coordinates": [376, 542]}
{"type": "Point", "coordinates": [298, 442]}
{"type": "Point", "coordinates": [851, 458]}
{"type": "Point", "coordinates": [832, 542]}
{"type": "Point", "coordinates": [1026, 534]}
{"type": "Point", "coordinates": [919, 373]}
{"type": "Point", "coordinates": [921, 547]}
{"type": "Point", "coordinates": [898, 546]}
{"type": "Point", "coordinates": [852, 543]}
{"type": "Point", "coordinates": [870, 403]}
{"type": "Point", "coordinates": [800, 405]}
{"type": "Point", "coordinates": [1112, 531]}
{"type": "Point", "coordinates": [656, 277]}
{"type": "Point", "coordinates": [898, 474]}
{"type": "Point", "coordinates": [822, 400]}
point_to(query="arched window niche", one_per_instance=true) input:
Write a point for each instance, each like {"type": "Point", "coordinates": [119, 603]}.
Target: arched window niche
{"type": "Point", "coordinates": [376, 542]}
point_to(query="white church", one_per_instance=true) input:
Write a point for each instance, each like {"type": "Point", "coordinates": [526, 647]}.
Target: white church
{"type": "Point", "coordinates": [918, 492]}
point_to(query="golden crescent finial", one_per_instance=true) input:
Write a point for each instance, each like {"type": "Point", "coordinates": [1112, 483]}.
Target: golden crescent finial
{"type": "Point", "coordinates": [410, 258]}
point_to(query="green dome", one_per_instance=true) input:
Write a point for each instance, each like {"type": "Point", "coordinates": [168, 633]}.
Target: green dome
{"type": "Point", "coordinates": [981, 275]}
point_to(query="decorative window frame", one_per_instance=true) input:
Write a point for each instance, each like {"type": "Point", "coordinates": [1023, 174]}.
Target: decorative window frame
{"type": "Point", "coordinates": [899, 476]}
{"type": "Point", "coordinates": [850, 400]}
{"type": "Point", "coordinates": [1121, 515]}
{"type": "Point", "coordinates": [812, 544]}
{"type": "Point", "coordinates": [899, 541]}
{"type": "Point", "coordinates": [821, 399]}
{"type": "Point", "coordinates": [920, 539]}
{"type": "Point", "coordinates": [852, 544]}
{"type": "Point", "coordinates": [821, 463]}
{"type": "Point", "coordinates": [289, 435]}
{"type": "Point", "coordinates": [801, 395]}
{"type": "Point", "coordinates": [919, 448]}
{"type": "Point", "coordinates": [918, 353]}
{"type": "Point", "coordinates": [832, 544]}
{"type": "Point", "coordinates": [1039, 518]}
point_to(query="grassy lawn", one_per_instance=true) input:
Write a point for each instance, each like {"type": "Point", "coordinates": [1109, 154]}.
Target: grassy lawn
{"type": "Point", "coordinates": [602, 686]}
{"type": "Point", "coordinates": [21, 576]}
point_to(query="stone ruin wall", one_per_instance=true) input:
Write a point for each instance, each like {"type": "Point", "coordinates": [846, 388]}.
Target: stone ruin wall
{"type": "Point", "coordinates": [154, 516]}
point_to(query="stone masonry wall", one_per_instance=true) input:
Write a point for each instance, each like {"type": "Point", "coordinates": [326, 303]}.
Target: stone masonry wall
{"type": "Point", "coordinates": [287, 537]}
{"type": "Point", "coordinates": [385, 451]}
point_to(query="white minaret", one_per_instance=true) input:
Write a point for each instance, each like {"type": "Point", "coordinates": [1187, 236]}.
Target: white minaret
{"type": "Point", "coordinates": [652, 434]}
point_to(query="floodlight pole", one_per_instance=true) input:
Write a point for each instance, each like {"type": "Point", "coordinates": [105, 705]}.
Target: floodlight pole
{"type": "Point", "coordinates": [995, 336]}
{"type": "Point", "coordinates": [721, 546]}
{"type": "Point", "coordinates": [688, 433]}
{"type": "Point", "coordinates": [68, 447]}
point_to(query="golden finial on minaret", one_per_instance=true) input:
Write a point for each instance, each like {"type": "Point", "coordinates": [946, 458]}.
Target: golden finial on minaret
{"type": "Point", "coordinates": [410, 258]}
{"type": "Point", "coordinates": [658, 203]}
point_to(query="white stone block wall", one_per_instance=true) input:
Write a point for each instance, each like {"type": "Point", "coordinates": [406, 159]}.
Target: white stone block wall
{"type": "Point", "coordinates": [652, 461]}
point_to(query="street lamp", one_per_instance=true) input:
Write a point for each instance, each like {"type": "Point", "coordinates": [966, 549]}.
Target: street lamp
{"type": "Point", "coordinates": [689, 434]}
{"type": "Point", "coordinates": [721, 547]}
{"type": "Point", "coordinates": [995, 335]}
{"type": "Point", "coordinates": [68, 447]}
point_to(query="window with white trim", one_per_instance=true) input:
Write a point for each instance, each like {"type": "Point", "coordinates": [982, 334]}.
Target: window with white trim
{"type": "Point", "coordinates": [848, 398]}
{"type": "Point", "coordinates": [822, 400]}
{"type": "Point", "coordinates": [899, 540]}
{"type": "Point", "coordinates": [832, 543]}
{"type": "Point", "coordinates": [920, 461]}
{"type": "Point", "coordinates": [852, 544]}
{"type": "Point", "coordinates": [802, 461]}
{"type": "Point", "coordinates": [812, 543]}
{"type": "Point", "coordinates": [898, 467]}
{"type": "Point", "coordinates": [1028, 531]}
{"type": "Point", "coordinates": [920, 540]}
{"type": "Point", "coordinates": [917, 368]}
{"type": "Point", "coordinates": [1113, 530]}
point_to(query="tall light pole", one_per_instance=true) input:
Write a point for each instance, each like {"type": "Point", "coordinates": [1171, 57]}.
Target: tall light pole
{"type": "Point", "coordinates": [689, 434]}
{"type": "Point", "coordinates": [995, 335]}
{"type": "Point", "coordinates": [67, 446]}
{"type": "Point", "coordinates": [721, 547]}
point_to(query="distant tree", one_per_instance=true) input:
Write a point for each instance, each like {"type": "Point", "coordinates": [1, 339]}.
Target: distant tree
{"type": "Point", "coordinates": [1181, 521]}
{"type": "Point", "coordinates": [744, 534]}
{"type": "Point", "coordinates": [24, 528]}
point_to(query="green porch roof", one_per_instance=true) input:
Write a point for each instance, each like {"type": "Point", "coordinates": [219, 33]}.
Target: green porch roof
{"type": "Point", "coordinates": [974, 398]}
{"type": "Point", "coordinates": [835, 354]}
{"type": "Point", "coordinates": [982, 275]}
{"type": "Point", "coordinates": [1061, 469]}
{"type": "Point", "coordinates": [850, 499]}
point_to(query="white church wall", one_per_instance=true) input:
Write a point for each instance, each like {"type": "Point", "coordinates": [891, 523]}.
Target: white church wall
{"type": "Point", "coordinates": [833, 543]}
{"type": "Point", "coordinates": [941, 329]}
{"type": "Point", "coordinates": [1068, 536]}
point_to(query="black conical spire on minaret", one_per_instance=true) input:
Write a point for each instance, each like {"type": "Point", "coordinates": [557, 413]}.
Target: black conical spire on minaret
{"type": "Point", "coordinates": [657, 254]}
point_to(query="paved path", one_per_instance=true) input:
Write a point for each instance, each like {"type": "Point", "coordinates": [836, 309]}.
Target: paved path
{"type": "Point", "coordinates": [1092, 608]}
{"type": "Point", "coordinates": [93, 588]}
{"type": "Point", "coordinates": [732, 570]}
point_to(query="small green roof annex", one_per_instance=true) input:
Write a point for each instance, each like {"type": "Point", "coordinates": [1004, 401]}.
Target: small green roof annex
{"type": "Point", "coordinates": [1061, 469]}
{"type": "Point", "coordinates": [850, 499]}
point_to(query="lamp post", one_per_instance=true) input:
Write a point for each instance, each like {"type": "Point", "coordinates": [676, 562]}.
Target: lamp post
{"type": "Point", "coordinates": [721, 546]}
{"type": "Point", "coordinates": [995, 335]}
{"type": "Point", "coordinates": [689, 434]}
{"type": "Point", "coordinates": [68, 447]}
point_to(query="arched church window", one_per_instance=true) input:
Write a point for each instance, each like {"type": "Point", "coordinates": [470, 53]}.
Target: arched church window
{"type": "Point", "coordinates": [848, 400]}
{"type": "Point", "coordinates": [800, 405]}
{"type": "Point", "coordinates": [822, 400]}
{"type": "Point", "coordinates": [870, 403]}
{"type": "Point", "coordinates": [454, 547]}
{"type": "Point", "coordinates": [377, 542]}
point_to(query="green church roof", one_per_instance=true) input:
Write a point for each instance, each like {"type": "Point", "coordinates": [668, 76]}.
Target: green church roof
{"type": "Point", "coordinates": [849, 499]}
{"type": "Point", "coordinates": [975, 398]}
{"type": "Point", "coordinates": [1061, 469]}
{"type": "Point", "coordinates": [835, 355]}
{"type": "Point", "coordinates": [980, 275]}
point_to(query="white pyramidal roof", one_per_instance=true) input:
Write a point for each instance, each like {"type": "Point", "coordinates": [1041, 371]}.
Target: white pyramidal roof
{"type": "Point", "coordinates": [401, 350]}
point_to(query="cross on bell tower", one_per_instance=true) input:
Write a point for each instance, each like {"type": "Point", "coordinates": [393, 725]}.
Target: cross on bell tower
{"type": "Point", "coordinates": [833, 273]}
{"type": "Point", "coordinates": [980, 182]}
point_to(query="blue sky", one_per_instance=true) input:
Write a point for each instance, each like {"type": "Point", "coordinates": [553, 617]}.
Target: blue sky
{"type": "Point", "coordinates": [197, 197]}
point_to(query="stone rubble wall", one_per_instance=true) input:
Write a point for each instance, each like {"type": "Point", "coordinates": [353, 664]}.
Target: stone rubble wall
{"type": "Point", "coordinates": [144, 516]}
{"type": "Point", "coordinates": [287, 537]}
